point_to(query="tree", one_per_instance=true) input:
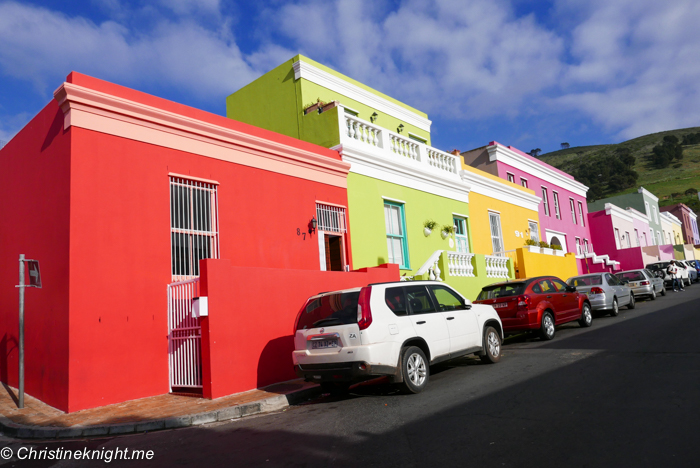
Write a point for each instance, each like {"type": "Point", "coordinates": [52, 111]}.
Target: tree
{"type": "Point", "coordinates": [564, 146]}
{"type": "Point", "coordinates": [535, 152]}
{"type": "Point", "coordinates": [667, 151]}
{"type": "Point", "coordinates": [691, 191]}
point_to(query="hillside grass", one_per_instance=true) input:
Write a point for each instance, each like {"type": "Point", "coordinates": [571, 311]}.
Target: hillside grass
{"type": "Point", "coordinates": [661, 182]}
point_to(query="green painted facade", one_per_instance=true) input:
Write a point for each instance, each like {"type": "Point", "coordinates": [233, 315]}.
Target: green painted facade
{"type": "Point", "coordinates": [366, 198]}
{"type": "Point", "coordinates": [276, 101]}
{"type": "Point", "coordinates": [636, 201]}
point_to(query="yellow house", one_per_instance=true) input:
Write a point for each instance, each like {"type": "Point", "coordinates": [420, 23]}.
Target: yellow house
{"type": "Point", "coordinates": [502, 217]}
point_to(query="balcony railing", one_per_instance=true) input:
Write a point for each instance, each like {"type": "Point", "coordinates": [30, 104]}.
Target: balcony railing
{"type": "Point", "coordinates": [393, 146]}
{"type": "Point", "coordinates": [496, 266]}
{"type": "Point", "coordinates": [460, 264]}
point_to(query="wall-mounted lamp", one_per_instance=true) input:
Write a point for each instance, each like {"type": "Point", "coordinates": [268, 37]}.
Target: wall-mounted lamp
{"type": "Point", "coordinates": [312, 225]}
{"type": "Point", "coordinates": [400, 129]}
{"type": "Point", "coordinates": [373, 117]}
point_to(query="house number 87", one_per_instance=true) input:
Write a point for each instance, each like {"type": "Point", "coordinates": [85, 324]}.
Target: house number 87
{"type": "Point", "coordinates": [303, 234]}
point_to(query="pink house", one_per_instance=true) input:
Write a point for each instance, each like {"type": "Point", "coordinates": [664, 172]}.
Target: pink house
{"type": "Point", "coordinates": [563, 212]}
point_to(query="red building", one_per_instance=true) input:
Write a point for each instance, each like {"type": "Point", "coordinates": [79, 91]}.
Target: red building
{"type": "Point", "coordinates": [119, 194]}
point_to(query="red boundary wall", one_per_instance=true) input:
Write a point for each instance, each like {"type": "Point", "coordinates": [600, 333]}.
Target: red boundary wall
{"type": "Point", "coordinates": [247, 339]}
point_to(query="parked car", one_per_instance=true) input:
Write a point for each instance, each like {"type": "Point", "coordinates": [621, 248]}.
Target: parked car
{"type": "Point", "coordinates": [695, 264]}
{"type": "Point", "coordinates": [643, 283]}
{"type": "Point", "coordinates": [390, 329]}
{"type": "Point", "coordinates": [659, 269]}
{"type": "Point", "coordinates": [692, 272]}
{"type": "Point", "coordinates": [539, 303]}
{"type": "Point", "coordinates": [604, 291]}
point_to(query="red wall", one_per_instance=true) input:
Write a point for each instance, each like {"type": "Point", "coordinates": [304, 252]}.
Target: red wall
{"type": "Point", "coordinates": [247, 339]}
{"type": "Point", "coordinates": [34, 189]}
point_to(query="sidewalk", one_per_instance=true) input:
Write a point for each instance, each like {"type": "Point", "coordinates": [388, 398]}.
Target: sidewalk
{"type": "Point", "coordinates": [38, 420]}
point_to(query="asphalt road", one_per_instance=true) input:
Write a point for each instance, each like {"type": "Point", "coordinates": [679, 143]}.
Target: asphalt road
{"type": "Point", "coordinates": [624, 392]}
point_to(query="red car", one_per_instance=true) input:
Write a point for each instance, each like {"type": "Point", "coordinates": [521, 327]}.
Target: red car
{"type": "Point", "coordinates": [539, 303]}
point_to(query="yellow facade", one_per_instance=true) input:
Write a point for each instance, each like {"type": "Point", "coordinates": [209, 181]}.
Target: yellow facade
{"type": "Point", "coordinates": [531, 264]}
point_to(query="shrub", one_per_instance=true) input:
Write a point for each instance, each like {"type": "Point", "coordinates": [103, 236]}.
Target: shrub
{"type": "Point", "coordinates": [556, 247]}
{"type": "Point", "coordinates": [430, 224]}
{"type": "Point", "coordinates": [530, 242]}
{"type": "Point", "coordinates": [543, 244]}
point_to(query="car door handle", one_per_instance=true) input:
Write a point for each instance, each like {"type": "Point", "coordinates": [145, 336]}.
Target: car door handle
{"type": "Point", "coordinates": [549, 297]}
{"type": "Point", "coordinates": [421, 322]}
{"type": "Point", "coordinates": [450, 318]}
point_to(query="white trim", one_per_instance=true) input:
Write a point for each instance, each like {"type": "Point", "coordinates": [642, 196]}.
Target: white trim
{"type": "Point", "coordinates": [352, 111]}
{"type": "Point", "coordinates": [460, 215]}
{"type": "Point", "coordinates": [560, 233]}
{"type": "Point", "coordinates": [334, 83]}
{"type": "Point", "coordinates": [370, 162]}
{"type": "Point", "coordinates": [493, 211]}
{"type": "Point", "coordinates": [533, 220]}
{"type": "Point", "coordinates": [611, 209]}
{"type": "Point", "coordinates": [500, 191]}
{"type": "Point", "coordinates": [198, 179]}
{"type": "Point", "coordinates": [395, 200]}
{"type": "Point", "coordinates": [638, 215]}
{"type": "Point", "coordinates": [418, 137]}
{"type": "Point", "coordinates": [543, 170]}
{"type": "Point", "coordinates": [671, 218]}
{"type": "Point", "coordinates": [646, 192]}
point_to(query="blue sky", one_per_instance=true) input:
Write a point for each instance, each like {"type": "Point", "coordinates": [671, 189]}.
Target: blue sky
{"type": "Point", "coordinates": [531, 74]}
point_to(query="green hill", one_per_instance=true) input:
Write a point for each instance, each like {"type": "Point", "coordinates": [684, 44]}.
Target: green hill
{"type": "Point", "coordinates": [600, 167]}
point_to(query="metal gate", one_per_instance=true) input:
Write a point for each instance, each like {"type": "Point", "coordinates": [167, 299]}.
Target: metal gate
{"type": "Point", "coordinates": [184, 336]}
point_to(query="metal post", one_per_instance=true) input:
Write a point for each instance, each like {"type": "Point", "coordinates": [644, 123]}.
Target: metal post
{"type": "Point", "coordinates": [21, 331]}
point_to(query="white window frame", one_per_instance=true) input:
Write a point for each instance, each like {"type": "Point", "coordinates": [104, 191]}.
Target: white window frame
{"type": "Point", "coordinates": [573, 210]}
{"type": "Point", "coordinates": [496, 233]}
{"type": "Point", "coordinates": [656, 215]}
{"type": "Point", "coordinates": [534, 230]}
{"type": "Point", "coordinates": [545, 201]}
{"type": "Point", "coordinates": [331, 221]}
{"type": "Point", "coordinates": [585, 245]}
{"type": "Point", "coordinates": [557, 210]}
{"type": "Point", "coordinates": [465, 237]}
{"type": "Point", "coordinates": [523, 182]}
{"type": "Point", "coordinates": [194, 222]}
{"type": "Point", "coordinates": [653, 237]}
{"type": "Point", "coordinates": [578, 245]}
{"type": "Point", "coordinates": [510, 177]}
{"type": "Point", "coordinates": [627, 239]}
{"type": "Point", "coordinates": [403, 237]}
{"type": "Point", "coordinates": [618, 243]}
{"type": "Point", "coordinates": [636, 234]}
{"type": "Point", "coordinates": [580, 214]}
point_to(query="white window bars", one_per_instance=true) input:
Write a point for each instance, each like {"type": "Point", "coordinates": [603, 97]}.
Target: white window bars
{"type": "Point", "coordinates": [194, 225]}
{"type": "Point", "coordinates": [330, 218]}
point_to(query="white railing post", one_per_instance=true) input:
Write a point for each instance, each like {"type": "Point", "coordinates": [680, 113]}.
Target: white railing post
{"type": "Point", "coordinates": [460, 264]}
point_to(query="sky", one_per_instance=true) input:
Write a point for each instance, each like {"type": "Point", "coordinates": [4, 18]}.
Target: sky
{"type": "Point", "coordinates": [526, 73]}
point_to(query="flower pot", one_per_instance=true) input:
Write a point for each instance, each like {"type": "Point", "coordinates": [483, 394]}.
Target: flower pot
{"type": "Point", "coordinates": [559, 253]}
{"type": "Point", "coordinates": [532, 248]}
{"type": "Point", "coordinates": [547, 251]}
{"type": "Point", "coordinates": [427, 231]}
{"type": "Point", "coordinates": [444, 234]}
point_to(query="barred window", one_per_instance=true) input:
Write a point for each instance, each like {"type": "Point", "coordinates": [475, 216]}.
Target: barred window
{"type": "Point", "coordinates": [330, 218]}
{"type": "Point", "coordinates": [194, 225]}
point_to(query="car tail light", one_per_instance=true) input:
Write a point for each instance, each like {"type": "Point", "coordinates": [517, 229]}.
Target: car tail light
{"type": "Point", "coordinates": [524, 302]}
{"type": "Point", "coordinates": [645, 283]}
{"type": "Point", "coordinates": [597, 291]}
{"type": "Point", "coordinates": [364, 313]}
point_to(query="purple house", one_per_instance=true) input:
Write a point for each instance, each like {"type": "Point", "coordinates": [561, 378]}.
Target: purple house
{"type": "Point", "coordinates": [563, 211]}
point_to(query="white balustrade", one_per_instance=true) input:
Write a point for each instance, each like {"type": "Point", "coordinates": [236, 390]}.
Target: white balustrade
{"type": "Point", "coordinates": [404, 147]}
{"type": "Point", "coordinates": [443, 161]}
{"type": "Point", "coordinates": [460, 264]}
{"type": "Point", "coordinates": [359, 130]}
{"type": "Point", "coordinates": [496, 266]}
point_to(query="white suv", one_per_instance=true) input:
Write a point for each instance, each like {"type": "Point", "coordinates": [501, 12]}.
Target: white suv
{"type": "Point", "coordinates": [390, 329]}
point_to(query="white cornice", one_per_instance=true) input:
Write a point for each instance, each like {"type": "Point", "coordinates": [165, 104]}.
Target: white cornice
{"type": "Point", "coordinates": [500, 191]}
{"type": "Point", "coordinates": [670, 218]}
{"type": "Point", "coordinates": [646, 192]}
{"type": "Point", "coordinates": [541, 170]}
{"type": "Point", "coordinates": [618, 212]}
{"type": "Point", "coordinates": [105, 113]}
{"type": "Point", "coordinates": [402, 172]}
{"type": "Point", "coordinates": [314, 74]}
{"type": "Point", "coordinates": [639, 216]}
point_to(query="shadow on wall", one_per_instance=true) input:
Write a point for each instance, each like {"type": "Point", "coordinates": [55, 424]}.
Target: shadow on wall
{"type": "Point", "coordinates": [7, 346]}
{"type": "Point", "coordinates": [275, 352]}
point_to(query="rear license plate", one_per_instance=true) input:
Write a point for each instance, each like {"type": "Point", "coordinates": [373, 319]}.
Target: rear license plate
{"type": "Point", "coordinates": [323, 344]}
{"type": "Point", "coordinates": [500, 305]}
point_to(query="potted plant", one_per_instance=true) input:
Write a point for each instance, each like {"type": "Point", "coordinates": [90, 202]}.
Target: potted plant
{"type": "Point", "coordinates": [532, 246]}
{"type": "Point", "coordinates": [447, 230]}
{"type": "Point", "coordinates": [558, 251]}
{"type": "Point", "coordinates": [428, 227]}
{"type": "Point", "coordinates": [545, 248]}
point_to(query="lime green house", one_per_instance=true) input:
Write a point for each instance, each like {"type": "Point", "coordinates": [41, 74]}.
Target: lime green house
{"type": "Point", "coordinates": [408, 203]}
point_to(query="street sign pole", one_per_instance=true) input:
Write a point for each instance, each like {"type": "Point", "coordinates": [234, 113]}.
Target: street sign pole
{"type": "Point", "coordinates": [21, 331]}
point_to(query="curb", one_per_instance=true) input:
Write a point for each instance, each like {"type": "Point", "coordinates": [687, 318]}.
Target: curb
{"type": "Point", "coordinates": [275, 403]}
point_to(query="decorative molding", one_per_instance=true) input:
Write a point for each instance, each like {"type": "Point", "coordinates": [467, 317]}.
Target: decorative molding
{"type": "Point", "coordinates": [402, 171]}
{"type": "Point", "coordinates": [105, 113]}
{"type": "Point", "coordinates": [541, 170]}
{"type": "Point", "coordinates": [500, 190]}
{"type": "Point", "coordinates": [646, 192]}
{"type": "Point", "coordinates": [314, 74]}
{"type": "Point", "coordinates": [395, 200]}
{"type": "Point", "coordinates": [670, 218]}
{"type": "Point", "coordinates": [636, 214]}
{"type": "Point", "coordinates": [611, 209]}
{"type": "Point", "coordinates": [189, 177]}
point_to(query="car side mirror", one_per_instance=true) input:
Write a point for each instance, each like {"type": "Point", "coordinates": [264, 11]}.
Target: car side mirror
{"type": "Point", "coordinates": [571, 289]}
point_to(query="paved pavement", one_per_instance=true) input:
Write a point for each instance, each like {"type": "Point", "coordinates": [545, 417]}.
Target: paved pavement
{"type": "Point", "coordinates": [622, 393]}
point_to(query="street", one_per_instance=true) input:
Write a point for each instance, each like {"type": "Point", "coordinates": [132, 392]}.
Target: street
{"type": "Point", "coordinates": [622, 393]}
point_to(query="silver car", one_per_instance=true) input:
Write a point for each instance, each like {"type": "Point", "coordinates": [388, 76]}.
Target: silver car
{"type": "Point", "coordinates": [643, 283]}
{"type": "Point", "coordinates": [692, 272]}
{"type": "Point", "coordinates": [604, 291]}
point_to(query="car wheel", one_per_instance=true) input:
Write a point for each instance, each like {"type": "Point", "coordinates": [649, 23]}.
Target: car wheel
{"type": "Point", "coordinates": [547, 328]}
{"type": "Point", "coordinates": [631, 304]}
{"type": "Point", "coordinates": [415, 370]}
{"type": "Point", "coordinates": [653, 294]}
{"type": "Point", "coordinates": [335, 388]}
{"type": "Point", "coordinates": [615, 308]}
{"type": "Point", "coordinates": [586, 316]}
{"type": "Point", "coordinates": [663, 291]}
{"type": "Point", "coordinates": [492, 346]}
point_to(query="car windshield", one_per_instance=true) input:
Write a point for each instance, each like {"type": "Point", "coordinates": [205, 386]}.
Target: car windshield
{"type": "Point", "coordinates": [631, 276]}
{"type": "Point", "coordinates": [658, 266]}
{"type": "Point", "coordinates": [501, 290]}
{"type": "Point", "coordinates": [331, 309]}
{"type": "Point", "coordinates": [586, 280]}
